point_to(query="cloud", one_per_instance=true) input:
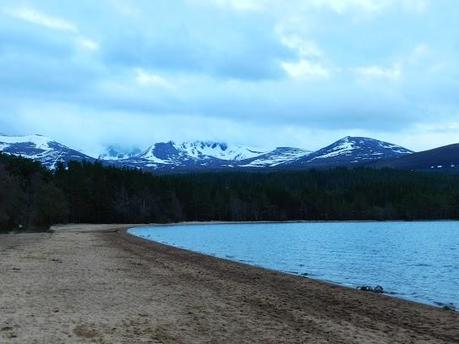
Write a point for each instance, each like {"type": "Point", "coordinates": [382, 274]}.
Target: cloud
{"type": "Point", "coordinates": [420, 6]}
{"type": "Point", "coordinates": [88, 44]}
{"type": "Point", "coordinates": [310, 64]}
{"type": "Point", "coordinates": [149, 79]}
{"type": "Point", "coordinates": [241, 5]}
{"type": "Point", "coordinates": [205, 44]}
{"type": "Point", "coordinates": [393, 73]}
{"type": "Point", "coordinates": [341, 6]}
{"type": "Point", "coordinates": [125, 8]}
{"type": "Point", "coordinates": [36, 17]}
{"type": "Point", "coordinates": [369, 6]}
{"type": "Point", "coordinates": [299, 72]}
{"type": "Point", "coordinates": [302, 46]}
{"type": "Point", "coordinates": [305, 69]}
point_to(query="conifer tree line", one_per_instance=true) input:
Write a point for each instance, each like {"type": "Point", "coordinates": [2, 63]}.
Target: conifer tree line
{"type": "Point", "coordinates": [31, 197]}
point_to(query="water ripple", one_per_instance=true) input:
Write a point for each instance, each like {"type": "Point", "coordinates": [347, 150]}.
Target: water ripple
{"type": "Point", "coordinates": [413, 260]}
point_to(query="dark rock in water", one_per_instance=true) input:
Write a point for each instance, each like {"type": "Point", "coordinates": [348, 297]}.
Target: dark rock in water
{"type": "Point", "coordinates": [365, 288]}
{"type": "Point", "coordinates": [378, 289]}
{"type": "Point", "coordinates": [447, 306]}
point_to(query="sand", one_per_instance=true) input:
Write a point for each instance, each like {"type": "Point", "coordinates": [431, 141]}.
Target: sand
{"type": "Point", "coordinates": [97, 284]}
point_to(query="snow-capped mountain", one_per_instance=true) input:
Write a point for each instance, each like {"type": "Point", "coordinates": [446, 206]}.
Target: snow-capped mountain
{"type": "Point", "coordinates": [191, 155]}
{"type": "Point", "coordinates": [219, 150]}
{"type": "Point", "coordinates": [40, 148]}
{"type": "Point", "coordinates": [162, 155]}
{"type": "Point", "coordinates": [211, 155]}
{"type": "Point", "coordinates": [171, 152]}
{"type": "Point", "coordinates": [207, 155]}
{"type": "Point", "coordinates": [353, 151]}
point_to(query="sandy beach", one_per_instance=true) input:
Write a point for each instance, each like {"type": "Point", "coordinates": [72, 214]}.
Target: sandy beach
{"type": "Point", "coordinates": [97, 284]}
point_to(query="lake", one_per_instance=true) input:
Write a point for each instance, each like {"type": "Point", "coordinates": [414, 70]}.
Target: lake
{"type": "Point", "coordinates": [418, 261]}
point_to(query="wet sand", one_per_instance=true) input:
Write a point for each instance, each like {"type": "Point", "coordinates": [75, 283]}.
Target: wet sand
{"type": "Point", "coordinates": [97, 284]}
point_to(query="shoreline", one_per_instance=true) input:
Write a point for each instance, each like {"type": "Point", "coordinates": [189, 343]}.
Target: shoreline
{"type": "Point", "coordinates": [125, 232]}
{"type": "Point", "coordinates": [439, 305]}
{"type": "Point", "coordinates": [92, 227]}
{"type": "Point", "coordinates": [146, 242]}
{"type": "Point", "coordinates": [85, 284]}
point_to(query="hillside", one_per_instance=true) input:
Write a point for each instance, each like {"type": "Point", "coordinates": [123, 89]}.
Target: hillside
{"type": "Point", "coordinates": [444, 158]}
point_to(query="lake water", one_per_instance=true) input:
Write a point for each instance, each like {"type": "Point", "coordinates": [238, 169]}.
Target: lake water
{"type": "Point", "coordinates": [417, 261]}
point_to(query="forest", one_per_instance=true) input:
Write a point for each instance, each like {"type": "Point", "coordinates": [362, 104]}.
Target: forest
{"type": "Point", "coordinates": [33, 198]}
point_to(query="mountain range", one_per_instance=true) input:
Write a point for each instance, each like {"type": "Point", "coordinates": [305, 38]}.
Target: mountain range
{"type": "Point", "coordinates": [170, 156]}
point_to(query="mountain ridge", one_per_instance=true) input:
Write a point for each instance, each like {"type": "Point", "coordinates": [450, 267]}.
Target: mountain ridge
{"type": "Point", "coordinates": [353, 151]}
{"type": "Point", "coordinates": [185, 156]}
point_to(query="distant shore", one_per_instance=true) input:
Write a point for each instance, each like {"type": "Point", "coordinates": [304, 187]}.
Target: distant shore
{"type": "Point", "coordinates": [98, 284]}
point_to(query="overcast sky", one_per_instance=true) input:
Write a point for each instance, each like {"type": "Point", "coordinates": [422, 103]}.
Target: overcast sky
{"type": "Point", "coordinates": [257, 72]}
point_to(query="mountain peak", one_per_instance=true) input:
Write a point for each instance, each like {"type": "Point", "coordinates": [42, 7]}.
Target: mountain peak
{"type": "Point", "coordinates": [352, 150]}
{"type": "Point", "coordinates": [358, 139]}
{"type": "Point", "coordinates": [40, 148]}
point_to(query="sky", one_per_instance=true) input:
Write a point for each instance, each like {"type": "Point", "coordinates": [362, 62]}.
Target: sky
{"type": "Point", "coordinates": [263, 73]}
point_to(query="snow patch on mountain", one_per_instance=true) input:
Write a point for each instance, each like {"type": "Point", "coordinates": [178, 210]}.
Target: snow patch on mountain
{"type": "Point", "coordinates": [218, 150]}
{"type": "Point", "coordinates": [343, 147]}
{"type": "Point", "coordinates": [163, 153]}
{"type": "Point", "coordinates": [38, 141]}
{"type": "Point", "coordinates": [194, 154]}
{"type": "Point", "coordinates": [277, 157]}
